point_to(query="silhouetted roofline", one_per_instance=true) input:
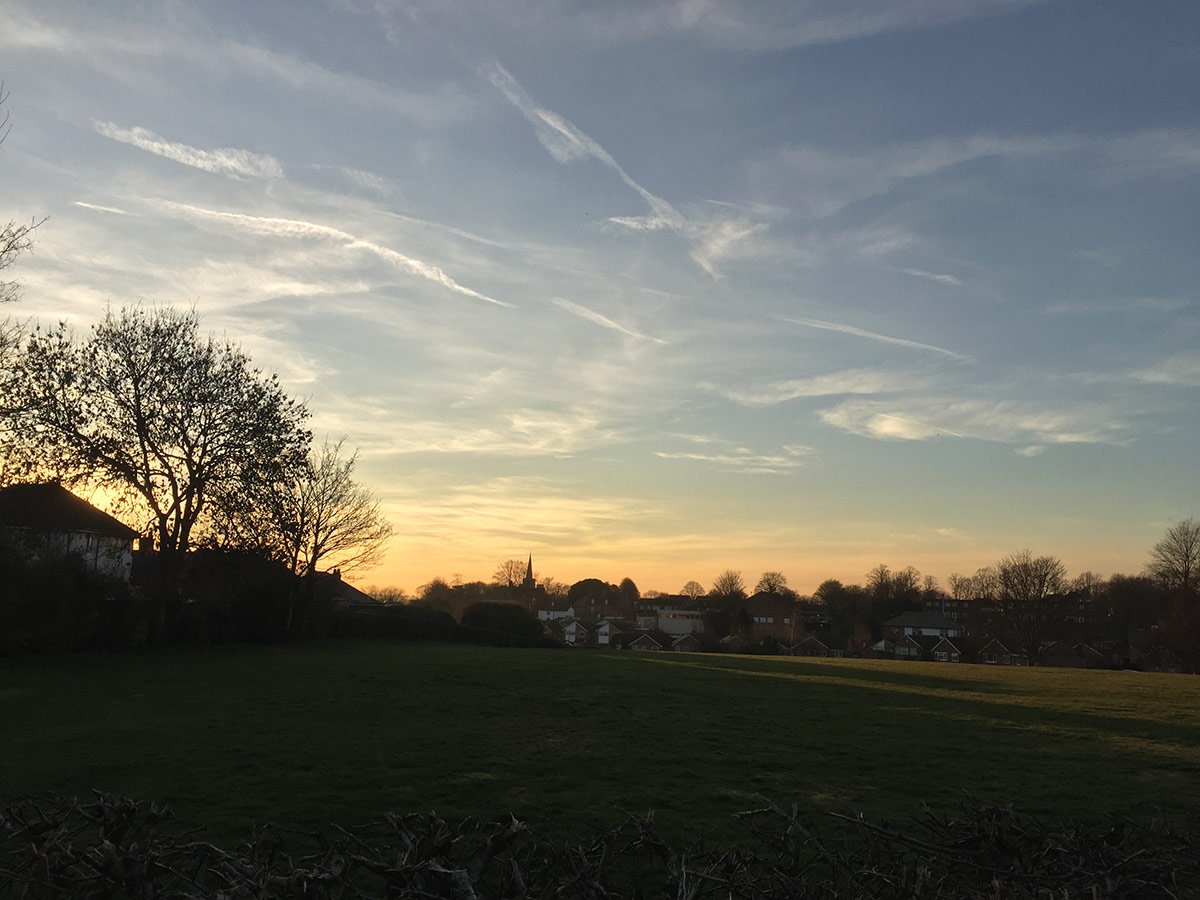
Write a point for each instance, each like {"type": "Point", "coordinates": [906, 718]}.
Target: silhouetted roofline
{"type": "Point", "coordinates": [51, 507]}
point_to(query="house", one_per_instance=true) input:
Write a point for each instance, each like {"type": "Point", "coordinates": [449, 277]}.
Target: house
{"type": "Point", "coordinates": [555, 609]}
{"type": "Point", "coordinates": [928, 624]}
{"type": "Point", "coordinates": [578, 632]}
{"type": "Point", "coordinates": [919, 646]}
{"type": "Point", "coordinates": [641, 639]}
{"type": "Point", "coordinates": [771, 615]}
{"type": "Point", "coordinates": [646, 642]}
{"type": "Point", "coordinates": [944, 650]}
{"type": "Point", "coordinates": [1161, 659]}
{"type": "Point", "coordinates": [686, 643]}
{"type": "Point", "coordinates": [343, 593]}
{"type": "Point", "coordinates": [906, 646]}
{"type": "Point", "coordinates": [957, 610]}
{"type": "Point", "coordinates": [881, 649]}
{"type": "Point", "coordinates": [996, 653]}
{"type": "Point", "coordinates": [732, 643]}
{"type": "Point", "coordinates": [814, 646]}
{"type": "Point", "coordinates": [672, 616]}
{"type": "Point", "coordinates": [48, 517]}
{"type": "Point", "coordinates": [606, 628]}
{"type": "Point", "coordinates": [1064, 655]}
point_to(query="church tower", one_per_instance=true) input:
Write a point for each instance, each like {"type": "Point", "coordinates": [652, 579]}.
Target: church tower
{"type": "Point", "coordinates": [528, 583]}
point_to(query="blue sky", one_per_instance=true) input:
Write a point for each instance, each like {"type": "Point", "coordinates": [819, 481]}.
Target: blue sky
{"type": "Point", "coordinates": [659, 289]}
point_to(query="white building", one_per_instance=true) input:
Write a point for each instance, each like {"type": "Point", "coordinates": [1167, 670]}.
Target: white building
{"type": "Point", "coordinates": [43, 518]}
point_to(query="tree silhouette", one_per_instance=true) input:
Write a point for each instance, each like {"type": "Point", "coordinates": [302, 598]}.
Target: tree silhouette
{"type": "Point", "coordinates": [145, 406]}
{"type": "Point", "coordinates": [771, 583]}
{"type": "Point", "coordinates": [729, 585]}
{"type": "Point", "coordinates": [1175, 560]}
{"type": "Point", "coordinates": [1024, 586]}
{"type": "Point", "coordinates": [14, 239]}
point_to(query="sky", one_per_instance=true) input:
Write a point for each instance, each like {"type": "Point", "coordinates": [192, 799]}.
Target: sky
{"type": "Point", "coordinates": [659, 289]}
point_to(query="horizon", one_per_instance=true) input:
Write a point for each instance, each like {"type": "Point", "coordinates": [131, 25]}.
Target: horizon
{"type": "Point", "coordinates": [660, 290]}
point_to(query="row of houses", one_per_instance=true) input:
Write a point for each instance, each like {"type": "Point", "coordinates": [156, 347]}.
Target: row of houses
{"type": "Point", "coordinates": [914, 635]}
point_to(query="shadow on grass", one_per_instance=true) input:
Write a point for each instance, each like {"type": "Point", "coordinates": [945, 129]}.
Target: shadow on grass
{"type": "Point", "coordinates": [1004, 703]}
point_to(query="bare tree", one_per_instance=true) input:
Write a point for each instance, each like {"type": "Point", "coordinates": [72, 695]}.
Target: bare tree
{"type": "Point", "coordinates": [729, 584]}
{"type": "Point", "coordinates": [510, 573]}
{"type": "Point", "coordinates": [330, 518]}
{"type": "Point", "coordinates": [1025, 585]}
{"type": "Point", "coordinates": [14, 239]}
{"type": "Point", "coordinates": [771, 583]}
{"type": "Point", "coordinates": [693, 590]}
{"type": "Point", "coordinates": [554, 588]}
{"type": "Point", "coordinates": [879, 580]}
{"type": "Point", "coordinates": [1175, 560]}
{"type": "Point", "coordinates": [387, 594]}
{"type": "Point", "coordinates": [961, 586]}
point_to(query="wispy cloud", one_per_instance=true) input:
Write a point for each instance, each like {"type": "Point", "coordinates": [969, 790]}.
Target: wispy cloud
{"type": "Point", "coordinates": [603, 321]}
{"type": "Point", "coordinates": [221, 161]}
{"type": "Point", "coordinates": [1007, 422]}
{"type": "Point", "coordinates": [872, 335]}
{"type": "Point", "coordinates": [437, 108]}
{"type": "Point", "coordinates": [297, 228]}
{"type": "Point", "coordinates": [853, 381]}
{"type": "Point", "coordinates": [763, 25]}
{"type": "Point", "coordinates": [98, 208]}
{"type": "Point", "coordinates": [710, 240]}
{"type": "Point", "coordinates": [372, 181]}
{"type": "Point", "coordinates": [747, 461]}
{"type": "Point", "coordinates": [1131, 305]}
{"type": "Point", "coordinates": [780, 25]}
{"type": "Point", "coordinates": [938, 277]}
{"type": "Point", "coordinates": [819, 181]}
{"type": "Point", "coordinates": [566, 143]}
{"type": "Point", "coordinates": [1182, 370]}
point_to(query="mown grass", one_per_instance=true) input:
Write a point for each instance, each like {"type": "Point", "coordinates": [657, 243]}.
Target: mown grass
{"type": "Point", "coordinates": [338, 732]}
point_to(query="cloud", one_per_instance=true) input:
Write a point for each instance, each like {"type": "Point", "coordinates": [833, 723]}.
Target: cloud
{"type": "Point", "coordinates": [821, 182]}
{"type": "Point", "coordinates": [710, 240]}
{"type": "Point", "coordinates": [1006, 422]}
{"type": "Point", "coordinates": [372, 181]}
{"type": "Point", "coordinates": [97, 208]}
{"type": "Point", "coordinates": [872, 335]}
{"type": "Point", "coordinates": [782, 25]}
{"type": "Point", "coordinates": [603, 321]}
{"type": "Point", "coordinates": [222, 161]}
{"type": "Point", "coordinates": [761, 26]}
{"type": "Point", "coordinates": [522, 432]}
{"type": "Point", "coordinates": [747, 461]}
{"type": "Point", "coordinates": [1182, 370]}
{"type": "Point", "coordinates": [938, 277]}
{"type": "Point", "coordinates": [569, 520]}
{"type": "Point", "coordinates": [852, 381]}
{"type": "Point", "coordinates": [438, 108]}
{"type": "Point", "coordinates": [566, 143]}
{"type": "Point", "coordinates": [296, 228]}
{"type": "Point", "coordinates": [1132, 305]}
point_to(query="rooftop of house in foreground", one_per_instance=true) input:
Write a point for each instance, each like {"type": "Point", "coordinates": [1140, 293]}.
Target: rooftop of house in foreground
{"type": "Point", "coordinates": [51, 507]}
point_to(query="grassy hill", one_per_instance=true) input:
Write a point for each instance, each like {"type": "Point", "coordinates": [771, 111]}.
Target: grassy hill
{"type": "Point", "coordinates": [338, 732]}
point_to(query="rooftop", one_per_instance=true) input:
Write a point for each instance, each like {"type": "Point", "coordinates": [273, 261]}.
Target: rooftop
{"type": "Point", "coordinates": [51, 507]}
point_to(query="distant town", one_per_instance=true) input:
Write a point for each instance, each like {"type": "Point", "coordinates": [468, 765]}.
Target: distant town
{"type": "Point", "coordinates": [1023, 611]}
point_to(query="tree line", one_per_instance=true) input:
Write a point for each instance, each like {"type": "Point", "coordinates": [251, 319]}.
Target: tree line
{"type": "Point", "coordinates": [1028, 600]}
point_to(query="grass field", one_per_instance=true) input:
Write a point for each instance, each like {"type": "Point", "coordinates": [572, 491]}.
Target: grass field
{"type": "Point", "coordinates": [338, 732]}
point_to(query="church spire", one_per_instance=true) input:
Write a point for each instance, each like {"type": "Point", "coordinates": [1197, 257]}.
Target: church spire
{"type": "Point", "coordinates": [528, 582]}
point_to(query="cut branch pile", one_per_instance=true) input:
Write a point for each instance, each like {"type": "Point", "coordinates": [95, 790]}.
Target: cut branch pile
{"type": "Point", "coordinates": [115, 848]}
